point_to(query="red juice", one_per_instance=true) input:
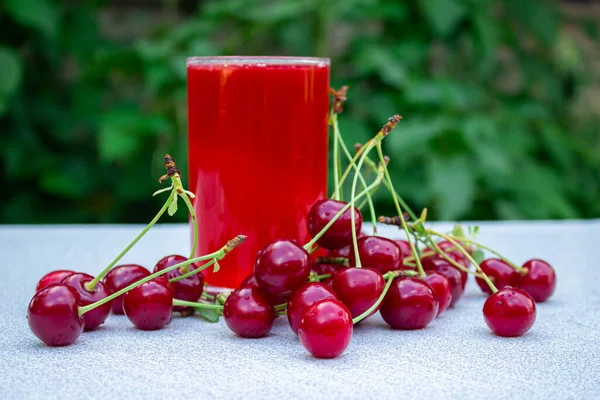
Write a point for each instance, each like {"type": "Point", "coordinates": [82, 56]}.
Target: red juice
{"type": "Point", "coordinates": [257, 132]}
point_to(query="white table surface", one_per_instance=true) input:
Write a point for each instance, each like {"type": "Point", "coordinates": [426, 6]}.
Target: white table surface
{"type": "Point", "coordinates": [455, 357]}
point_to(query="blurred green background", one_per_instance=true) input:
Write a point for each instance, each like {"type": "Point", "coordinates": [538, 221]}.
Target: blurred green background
{"type": "Point", "coordinates": [501, 99]}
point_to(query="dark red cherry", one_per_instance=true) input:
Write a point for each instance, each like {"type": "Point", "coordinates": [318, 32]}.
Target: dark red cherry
{"type": "Point", "coordinates": [282, 267]}
{"type": "Point", "coordinates": [500, 273]}
{"type": "Point", "coordinates": [326, 329]}
{"type": "Point", "coordinates": [250, 280]}
{"type": "Point", "coordinates": [539, 280]}
{"type": "Point", "coordinates": [248, 313]}
{"type": "Point", "coordinates": [98, 315]}
{"type": "Point", "coordinates": [441, 289]}
{"type": "Point", "coordinates": [188, 289]}
{"type": "Point", "coordinates": [53, 315]}
{"type": "Point", "coordinates": [378, 253]}
{"type": "Point", "coordinates": [304, 297]}
{"type": "Point", "coordinates": [509, 312]}
{"type": "Point", "coordinates": [149, 305]}
{"type": "Point", "coordinates": [340, 233]}
{"type": "Point", "coordinates": [52, 277]}
{"type": "Point", "coordinates": [404, 246]}
{"type": "Point", "coordinates": [456, 254]}
{"type": "Point", "coordinates": [436, 258]}
{"type": "Point", "coordinates": [409, 304]}
{"type": "Point", "coordinates": [358, 288]}
{"type": "Point", "coordinates": [451, 273]}
{"type": "Point", "coordinates": [120, 277]}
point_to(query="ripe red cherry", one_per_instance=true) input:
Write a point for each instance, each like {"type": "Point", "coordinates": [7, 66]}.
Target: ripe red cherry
{"type": "Point", "coordinates": [53, 315]}
{"type": "Point", "coordinates": [340, 233]}
{"type": "Point", "coordinates": [250, 280]}
{"type": "Point", "coordinates": [188, 289]}
{"type": "Point", "coordinates": [98, 315]}
{"type": "Point", "coordinates": [409, 304]}
{"type": "Point", "coordinates": [378, 253]}
{"type": "Point", "coordinates": [404, 246]}
{"type": "Point", "coordinates": [149, 305]}
{"type": "Point", "coordinates": [500, 273]}
{"type": "Point", "coordinates": [539, 280]}
{"type": "Point", "coordinates": [441, 289]}
{"type": "Point", "coordinates": [358, 288]}
{"type": "Point", "coordinates": [52, 277]}
{"type": "Point", "coordinates": [120, 277]}
{"type": "Point", "coordinates": [456, 254]}
{"type": "Point", "coordinates": [451, 273]}
{"type": "Point", "coordinates": [509, 312]}
{"type": "Point", "coordinates": [326, 329]}
{"type": "Point", "coordinates": [282, 267]}
{"type": "Point", "coordinates": [304, 297]}
{"type": "Point", "coordinates": [436, 259]}
{"type": "Point", "coordinates": [248, 313]}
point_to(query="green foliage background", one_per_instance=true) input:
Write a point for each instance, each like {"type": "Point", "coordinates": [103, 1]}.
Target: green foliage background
{"type": "Point", "coordinates": [498, 121]}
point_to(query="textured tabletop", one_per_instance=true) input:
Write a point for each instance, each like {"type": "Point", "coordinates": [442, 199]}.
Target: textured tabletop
{"type": "Point", "coordinates": [455, 357]}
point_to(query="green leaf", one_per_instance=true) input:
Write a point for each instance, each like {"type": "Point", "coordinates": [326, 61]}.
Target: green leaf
{"type": "Point", "coordinates": [38, 14]}
{"type": "Point", "coordinates": [173, 206]}
{"type": "Point", "coordinates": [458, 230]}
{"type": "Point", "coordinates": [443, 15]}
{"type": "Point", "coordinates": [478, 255]}
{"type": "Point", "coordinates": [217, 266]}
{"type": "Point", "coordinates": [208, 314]}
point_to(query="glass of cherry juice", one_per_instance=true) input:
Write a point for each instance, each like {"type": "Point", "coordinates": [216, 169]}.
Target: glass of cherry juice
{"type": "Point", "coordinates": [257, 132]}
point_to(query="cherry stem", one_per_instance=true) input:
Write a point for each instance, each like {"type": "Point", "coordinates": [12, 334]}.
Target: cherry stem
{"type": "Point", "coordinates": [369, 200]}
{"type": "Point", "coordinates": [91, 285]}
{"type": "Point", "coordinates": [190, 207]}
{"type": "Point", "coordinates": [448, 258]}
{"type": "Point", "coordinates": [222, 252]}
{"type": "Point", "coordinates": [336, 157]}
{"type": "Point", "coordinates": [370, 146]}
{"type": "Point", "coordinates": [389, 277]}
{"type": "Point", "coordinates": [193, 271]}
{"type": "Point", "coordinates": [183, 303]}
{"type": "Point", "coordinates": [466, 254]}
{"type": "Point", "coordinates": [280, 307]}
{"type": "Point", "coordinates": [332, 260]}
{"type": "Point", "coordinates": [207, 296]}
{"type": "Point", "coordinates": [500, 256]}
{"type": "Point", "coordinates": [314, 240]}
{"type": "Point", "coordinates": [390, 186]}
{"type": "Point", "coordinates": [313, 277]}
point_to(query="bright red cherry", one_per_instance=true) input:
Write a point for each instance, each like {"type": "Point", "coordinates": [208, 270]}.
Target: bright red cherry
{"type": "Point", "coordinates": [248, 313]}
{"type": "Point", "coordinates": [339, 233]}
{"type": "Point", "coordinates": [509, 312]}
{"type": "Point", "coordinates": [456, 254]}
{"type": "Point", "coordinates": [539, 280]}
{"type": "Point", "coordinates": [378, 253]}
{"type": "Point", "coordinates": [404, 246]}
{"type": "Point", "coordinates": [188, 289]}
{"type": "Point", "coordinates": [358, 288]}
{"type": "Point", "coordinates": [52, 277]}
{"type": "Point", "coordinates": [149, 305]}
{"type": "Point", "coordinates": [441, 289]}
{"type": "Point", "coordinates": [282, 267]}
{"type": "Point", "coordinates": [500, 273]}
{"type": "Point", "coordinates": [304, 297]}
{"type": "Point", "coordinates": [451, 273]}
{"type": "Point", "coordinates": [98, 315]}
{"type": "Point", "coordinates": [326, 329]}
{"type": "Point", "coordinates": [409, 304]}
{"type": "Point", "coordinates": [120, 277]}
{"type": "Point", "coordinates": [53, 315]}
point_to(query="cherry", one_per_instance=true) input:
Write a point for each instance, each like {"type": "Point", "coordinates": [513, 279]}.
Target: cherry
{"type": "Point", "coordinates": [405, 247]}
{"type": "Point", "coordinates": [282, 267]}
{"type": "Point", "coordinates": [98, 315]}
{"type": "Point", "coordinates": [120, 277]}
{"type": "Point", "coordinates": [53, 315]}
{"type": "Point", "coordinates": [326, 328]}
{"type": "Point", "coordinates": [52, 277]}
{"type": "Point", "coordinates": [451, 273]}
{"type": "Point", "coordinates": [149, 305]}
{"type": "Point", "coordinates": [305, 296]}
{"type": "Point", "coordinates": [188, 289]}
{"type": "Point", "coordinates": [339, 233]}
{"type": "Point", "coordinates": [509, 312]}
{"type": "Point", "coordinates": [500, 273]}
{"type": "Point", "coordinates": [409, 304]}
{"type": "Point", "coordinates": [321, 269]}
{"type": "Point", "coordinates": [539, 280]}
{"type": "Point", "coordinates": [250, 280]}
{"type": "Point", "coordinates": [437, 259]}
{"type": "Point", "coordinates": [358, 288]}
{"type": "Point", "coordinates": [378, 253]}
{"type": "Point", "coordinates": [248, 313]}
{"type": "Point", "coordinates": [456, 254]}
{"type": "Point", "coordinates": [441, 289]}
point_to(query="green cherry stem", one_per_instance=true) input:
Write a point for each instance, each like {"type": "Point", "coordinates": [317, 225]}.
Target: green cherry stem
{"type": "Point", "coordinates": [390, 186]}
{"type": "Point", "coordinates": [389, 278]}
{"type": "Point", "coordinates": [190, 207]}
{"type": "Point", "coordinates": [280, 307]}
{"type": "Point", "coordinates": [222, 252]}
{"type": "Point", "coordinates": [183, 303]}
{"type": "Point", "coordinates": [193, 271]}
{"type": "Point", "coordinates": [370, 146]}
{"type": "Point", "coordinates": [500, 256]}
{"type": "Point", "coordinates": [336, 157]}
{"type": "Point", "coordinates": [91, 285]}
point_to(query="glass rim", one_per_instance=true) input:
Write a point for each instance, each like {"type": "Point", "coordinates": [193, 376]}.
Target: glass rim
{"type": "Point", "coordinates": [269, 60]}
